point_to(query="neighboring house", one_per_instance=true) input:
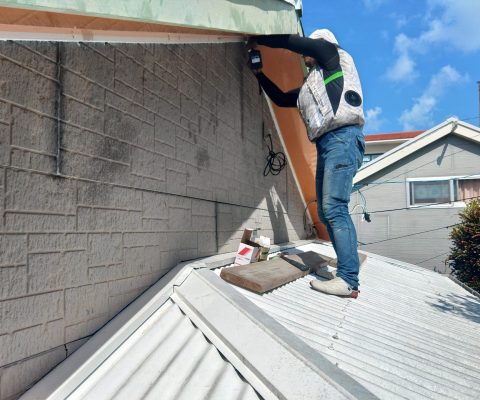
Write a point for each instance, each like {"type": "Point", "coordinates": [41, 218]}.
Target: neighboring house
{"type": "Point", "coordinates": [419, 186]}
{"type": "Point", "coordinates": [379, 143]}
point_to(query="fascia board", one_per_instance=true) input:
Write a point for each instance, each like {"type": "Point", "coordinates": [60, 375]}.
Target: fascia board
{"type": "Point", "coordinates": [19, 32]}
{"type": "Point", "coordinates": [404, 150]}
{"type": "Point", "coordinates": [468, 132]}
{"type": "Point", "coordinates": [251, 17]}
{"type": "Point", "coordinates": [392, 141]}
{"type": "Point", "coordinates": [272, 359]}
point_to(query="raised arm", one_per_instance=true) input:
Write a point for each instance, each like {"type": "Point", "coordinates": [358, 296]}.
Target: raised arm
{"type": "Point", "coordinates": [324, 52]}
{"type": "Point", "coordinates": [280, 98]}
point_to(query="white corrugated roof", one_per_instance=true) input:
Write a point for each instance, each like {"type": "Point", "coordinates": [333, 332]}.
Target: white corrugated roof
{"type": "Point", "coordinates": [166, 358]}
{"type": "Point", "coordinates": [192, 336]}
{"type": "Point", "coordinates": [411, 334]}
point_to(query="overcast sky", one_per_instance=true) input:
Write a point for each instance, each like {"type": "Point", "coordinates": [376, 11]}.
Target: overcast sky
{"type": "Point", "coordinates": [419, 60]}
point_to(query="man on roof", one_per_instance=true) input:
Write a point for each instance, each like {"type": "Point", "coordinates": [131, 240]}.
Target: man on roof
{"type": "Point", "coordinates": [331, 105]}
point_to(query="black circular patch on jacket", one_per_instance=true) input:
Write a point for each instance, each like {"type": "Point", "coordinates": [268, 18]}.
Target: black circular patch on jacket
{"type": "Point", "coordinates": [353, 98]}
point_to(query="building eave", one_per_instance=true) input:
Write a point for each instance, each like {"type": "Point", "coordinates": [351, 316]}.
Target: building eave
{"type": "Point", "coordinates": [250, 17]}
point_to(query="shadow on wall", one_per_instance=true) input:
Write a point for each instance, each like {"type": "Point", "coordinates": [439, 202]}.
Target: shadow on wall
{"type": "Point", "coordinates": [279, 227]}
{"type": "Point", "coordinates": [464, 307]}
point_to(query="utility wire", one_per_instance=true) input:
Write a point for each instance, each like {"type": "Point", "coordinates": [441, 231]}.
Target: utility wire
{"type": "Point", "coordinates": [431, 258]}
{"type": "Point", "coordinates": [416, 207]}
{"type": "Point", "coordinates": [410, 234]}
{"type": "Point", "coordinates": [403, 182]}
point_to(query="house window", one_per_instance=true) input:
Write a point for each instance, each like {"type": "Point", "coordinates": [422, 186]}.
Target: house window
{"type": "Point", "coordinates": [467, 189]}
{"type": "Point", "coordinates": [369, 157]}
{"type": "Point", "coordinates": [442, 192]}
{"type": "Point", "coordinates": [428, 192]}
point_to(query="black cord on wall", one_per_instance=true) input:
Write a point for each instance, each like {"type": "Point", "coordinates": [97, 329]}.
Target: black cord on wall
{"type": "Point", "coordinates": [276, 161]}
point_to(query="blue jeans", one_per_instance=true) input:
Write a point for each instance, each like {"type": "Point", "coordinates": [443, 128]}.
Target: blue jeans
{"type": "Point", "coordinates": [339, 155]}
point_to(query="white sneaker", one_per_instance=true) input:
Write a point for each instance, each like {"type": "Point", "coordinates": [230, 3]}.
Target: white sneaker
{"type": "Point", "coordinates": [336, 286]}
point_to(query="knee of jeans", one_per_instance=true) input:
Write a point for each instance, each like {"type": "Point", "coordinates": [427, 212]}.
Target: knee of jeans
{"type": "Point", "coordinates": [333, 210]}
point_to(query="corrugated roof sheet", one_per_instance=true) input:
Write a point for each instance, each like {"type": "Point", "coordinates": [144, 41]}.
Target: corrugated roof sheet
{"type": "Point", "coordinates": [173, 360]}
{"type": "Point", "coordinates": [411, 334]}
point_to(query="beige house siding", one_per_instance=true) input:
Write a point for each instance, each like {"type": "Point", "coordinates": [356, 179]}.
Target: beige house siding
{"type": "Point", "coordinates": [161, 161]}
{"type": "Point", "coordinates": [450, 156]}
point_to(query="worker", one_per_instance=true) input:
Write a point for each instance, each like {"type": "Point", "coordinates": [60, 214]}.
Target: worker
{"type": "Point", "coordinates": [331, 106]}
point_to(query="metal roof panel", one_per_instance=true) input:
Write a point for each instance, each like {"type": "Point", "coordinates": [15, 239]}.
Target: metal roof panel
{"type": "Point", "coordinates": [166, 357]}
{"type": "Point", "coordinates": [412, 333]}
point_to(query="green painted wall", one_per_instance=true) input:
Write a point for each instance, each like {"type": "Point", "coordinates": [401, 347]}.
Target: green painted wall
{"type": "Point", "coordinates": [245, 16]}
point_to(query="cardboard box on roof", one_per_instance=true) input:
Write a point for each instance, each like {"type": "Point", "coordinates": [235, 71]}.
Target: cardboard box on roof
{"type": "Point", "coordinates": [248, 252]}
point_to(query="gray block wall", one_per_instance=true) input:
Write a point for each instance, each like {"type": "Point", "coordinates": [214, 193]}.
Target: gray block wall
{"type": "Point", "coordinates": [387, 190]}
{"type": "Point", "coordinates": [116, 163]}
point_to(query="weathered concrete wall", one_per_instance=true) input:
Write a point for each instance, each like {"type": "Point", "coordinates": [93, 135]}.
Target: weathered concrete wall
{"type": "Point", "coordinates": [161, 160]}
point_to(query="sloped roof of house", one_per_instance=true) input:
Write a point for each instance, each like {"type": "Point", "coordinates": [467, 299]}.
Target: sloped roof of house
{"type": "Point", "coordinates": [450, 126]}
{"type": "Point", "coordinates": [411, 334]}
{"type": "Point", "coordinates": [382, 137]}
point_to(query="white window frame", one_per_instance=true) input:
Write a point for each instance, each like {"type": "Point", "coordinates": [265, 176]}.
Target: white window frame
{"type": "Point", "coordinates": [452, 203]}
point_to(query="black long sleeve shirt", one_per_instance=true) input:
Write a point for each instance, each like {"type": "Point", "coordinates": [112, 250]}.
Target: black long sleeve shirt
{"type": "Point", "coordinates": [325, 54]}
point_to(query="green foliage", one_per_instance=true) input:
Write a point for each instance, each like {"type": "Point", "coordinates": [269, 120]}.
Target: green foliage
{"type": "Point", "coordinates": [465, 253]}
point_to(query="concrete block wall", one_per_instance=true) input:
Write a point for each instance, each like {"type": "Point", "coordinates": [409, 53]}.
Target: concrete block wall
{"type": "Point", "coordinates": [117, 161]}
